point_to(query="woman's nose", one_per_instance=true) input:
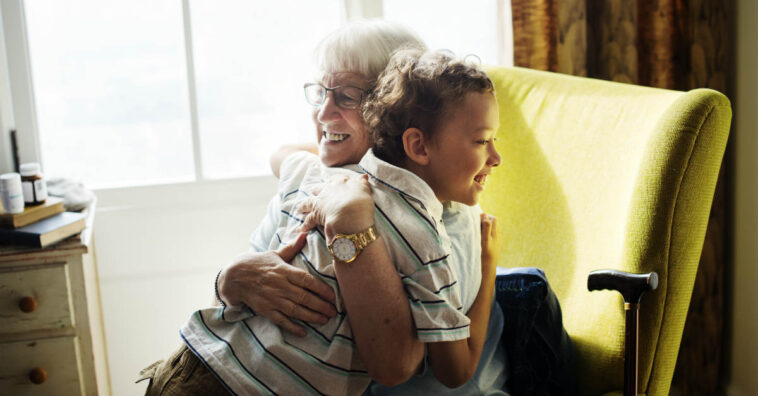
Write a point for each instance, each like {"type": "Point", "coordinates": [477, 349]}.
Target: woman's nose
{"type": "Point", "coordinates": [328, 110]}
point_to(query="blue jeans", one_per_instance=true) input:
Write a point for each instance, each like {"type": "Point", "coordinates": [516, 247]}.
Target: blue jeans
{"type": "Point", "coordinates": [538, 349]}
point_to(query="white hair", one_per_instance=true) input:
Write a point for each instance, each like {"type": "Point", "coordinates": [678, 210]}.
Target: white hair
{"type": "Point", "coordinates": [364, 47]}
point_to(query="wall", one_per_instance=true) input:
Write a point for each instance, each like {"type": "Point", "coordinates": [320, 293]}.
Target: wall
{"type": "Point", "coordinates": [6, 110]}
{"type": "Point", "coordinates": [158, 251]}
{"type": "Point", "coordinates": [744, 343]}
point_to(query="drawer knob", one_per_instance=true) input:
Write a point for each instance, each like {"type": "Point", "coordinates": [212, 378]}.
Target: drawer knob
{"type": "Point", "coordinates": [37, 375]}
{"type": "Point", "coordinates": [27, 304]}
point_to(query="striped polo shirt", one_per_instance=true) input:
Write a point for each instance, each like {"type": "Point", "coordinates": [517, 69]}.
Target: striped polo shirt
{"type": "Point", "coordinates": [251, 355]}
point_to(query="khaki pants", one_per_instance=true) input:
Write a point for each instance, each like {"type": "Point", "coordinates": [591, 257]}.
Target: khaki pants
{"type": "Point", "coordinates": [179, 375]}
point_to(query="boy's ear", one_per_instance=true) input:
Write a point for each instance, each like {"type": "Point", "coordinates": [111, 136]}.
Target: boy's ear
{"type": "Point", "coordinates": [416, 146]}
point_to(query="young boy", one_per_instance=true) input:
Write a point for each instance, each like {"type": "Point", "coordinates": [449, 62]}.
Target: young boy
{"type": "Point", "coordinates": [432, 120]}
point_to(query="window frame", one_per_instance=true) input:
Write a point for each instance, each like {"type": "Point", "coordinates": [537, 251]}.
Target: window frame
{"type": "Point", "coordinates": [21, 110]}
{"type": "Point", "coordinates": [18, 110]}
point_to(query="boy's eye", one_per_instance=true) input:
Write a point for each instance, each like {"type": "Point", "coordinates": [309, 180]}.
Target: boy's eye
{"type": "Point", "coordinates": [485, 142]}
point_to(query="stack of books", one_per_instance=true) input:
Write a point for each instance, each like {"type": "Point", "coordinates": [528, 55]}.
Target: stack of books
{"type": "Point", "coordinates": [40, 225]}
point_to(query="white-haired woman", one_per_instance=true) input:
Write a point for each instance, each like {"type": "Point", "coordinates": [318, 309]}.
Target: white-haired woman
{"type": "Point", "coordinates": [349, 61]}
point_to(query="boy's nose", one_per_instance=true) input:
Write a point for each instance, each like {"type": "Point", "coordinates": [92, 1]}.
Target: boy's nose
{"type": "Point", "coordinates": [494, 157]}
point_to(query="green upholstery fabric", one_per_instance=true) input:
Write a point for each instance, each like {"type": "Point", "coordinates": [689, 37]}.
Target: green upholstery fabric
{"type": "Point", "coordinates": [596, 175]}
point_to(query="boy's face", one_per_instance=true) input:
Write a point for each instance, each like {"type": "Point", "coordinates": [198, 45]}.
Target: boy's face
{"type": "Point", "coordinates": [343, 138]}
{"type": "Point", "coordinates": [462, 152]}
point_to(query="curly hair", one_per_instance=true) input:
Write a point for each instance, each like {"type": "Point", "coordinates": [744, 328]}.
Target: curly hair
{"type": "Point", "coordinates": [416, 90]}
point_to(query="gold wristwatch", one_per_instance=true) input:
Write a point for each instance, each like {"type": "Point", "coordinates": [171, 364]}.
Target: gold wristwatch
{"type": "Point", "coordinates": [346, 247]}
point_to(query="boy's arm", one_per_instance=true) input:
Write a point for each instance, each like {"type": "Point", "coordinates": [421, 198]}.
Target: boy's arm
{"type": "Point", "coordinates": [282, 152]}
{"type": "Point", "coordinates": [454, 362]}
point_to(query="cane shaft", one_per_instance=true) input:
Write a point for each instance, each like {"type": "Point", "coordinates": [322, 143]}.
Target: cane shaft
{"type": "Point", "coordinates": [630, 355]}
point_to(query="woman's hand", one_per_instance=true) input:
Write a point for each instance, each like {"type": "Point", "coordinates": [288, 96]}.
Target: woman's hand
{"type": "Point", "coordinates": [342, 205]}
{"type": "Point", "coordinates": [271, 287]}
{"type": "Point", "coordinates": [490, 250]}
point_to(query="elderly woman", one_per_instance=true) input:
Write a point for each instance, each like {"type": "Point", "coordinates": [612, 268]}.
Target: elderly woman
{"type": "Point", "coordinates": [350, 60]}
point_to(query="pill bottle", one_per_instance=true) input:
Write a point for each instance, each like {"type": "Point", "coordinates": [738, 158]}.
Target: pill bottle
{"type": "Point", "coordinates": [11, 193]}
{"type": "Point", "coordinates": [35, 191]}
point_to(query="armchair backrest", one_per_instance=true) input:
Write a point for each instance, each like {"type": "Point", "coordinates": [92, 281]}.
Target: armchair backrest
{"type": "Point", "coordinates": [596, 175]}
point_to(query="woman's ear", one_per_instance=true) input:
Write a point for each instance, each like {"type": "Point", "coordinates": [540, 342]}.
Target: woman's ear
{"type": "Point", "coordinates": [416, 146]}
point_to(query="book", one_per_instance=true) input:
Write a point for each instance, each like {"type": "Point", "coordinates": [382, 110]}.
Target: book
{"type": "Point", "coordinates": [45, 232]}
{"type": "Point", "coordinates": [52, 206]}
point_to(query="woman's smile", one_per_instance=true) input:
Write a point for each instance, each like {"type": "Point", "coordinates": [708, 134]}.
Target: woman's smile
{"type": "Point", "coordinates": [335, 136]}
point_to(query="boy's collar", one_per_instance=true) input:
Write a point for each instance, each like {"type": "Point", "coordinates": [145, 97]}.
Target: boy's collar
{"type": "Point", "coordinates": [403, 181]}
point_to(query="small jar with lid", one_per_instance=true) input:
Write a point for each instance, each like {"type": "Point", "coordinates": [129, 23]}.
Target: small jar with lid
{"type": "Point", "coordinates": [11, 193]}
{"type": "Point", "coordinates": [33, 183]}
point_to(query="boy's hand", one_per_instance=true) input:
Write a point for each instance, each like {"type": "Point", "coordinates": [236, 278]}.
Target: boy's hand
{"type": "Point", "coordinates": [454, 362]}
{"type": "Point", "coordinates": [490, 248]}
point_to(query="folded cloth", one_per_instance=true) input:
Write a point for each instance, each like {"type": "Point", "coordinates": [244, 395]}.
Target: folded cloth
{"type": "Point", "coordinates": [75, 196]}
{"type": "Point", "coordinates": [538, 349]}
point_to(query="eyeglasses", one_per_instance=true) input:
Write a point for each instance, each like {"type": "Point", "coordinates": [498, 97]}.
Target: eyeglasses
{"type": "Point", "coordinates": [345, 97]}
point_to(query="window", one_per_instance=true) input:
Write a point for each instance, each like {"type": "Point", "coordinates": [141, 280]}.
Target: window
{"type": "Point", "coordinates": [114, 97]}
{"type": "Point", "coordinates": [145, 92]}
{"type": "Point", "coordinates": [249, 94]}
{"type": "Point", "coordinates": [111, 90]}
{"type": "Point", "coordinates": [463, 27]}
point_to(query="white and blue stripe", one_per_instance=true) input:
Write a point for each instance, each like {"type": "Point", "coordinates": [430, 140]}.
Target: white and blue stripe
{"type": "Point", "coordinates": [250, 355]}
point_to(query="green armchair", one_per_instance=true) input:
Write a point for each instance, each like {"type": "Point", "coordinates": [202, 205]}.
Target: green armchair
{"type": "Point", "coordinates": [602, 175]}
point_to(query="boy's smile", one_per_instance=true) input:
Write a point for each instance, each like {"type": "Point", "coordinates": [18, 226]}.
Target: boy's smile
{"type": "Point", "coordinates": [481, 178]}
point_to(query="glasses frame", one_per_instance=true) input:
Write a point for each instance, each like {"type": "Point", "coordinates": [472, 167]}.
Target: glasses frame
{"type": "Point", "coordinates": [337, 99]}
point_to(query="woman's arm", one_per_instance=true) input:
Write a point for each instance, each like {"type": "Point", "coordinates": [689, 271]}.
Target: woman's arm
{"type": "Point", "coordinates": [454, 362]}
{"type": "Point", "coordinates": [271, 287]}
{"type": "Point", "coordinates": [380, 315]}
{"type": "Point", "coordinates": [371, 288]}
{"type": "Point", "coordinates": [373, 292]}
{"type": "Point", "coordinates": [264, 281]}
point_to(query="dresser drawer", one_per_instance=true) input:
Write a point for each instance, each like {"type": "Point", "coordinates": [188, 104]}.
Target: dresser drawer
{"type": "Point", "coordinates": [57, 357]}
{"type": "Point", "coordinates": [45, 292]}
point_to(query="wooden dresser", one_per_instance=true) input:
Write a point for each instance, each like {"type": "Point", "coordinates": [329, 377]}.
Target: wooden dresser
{"type": "Point", "coordinates": [51, 331]}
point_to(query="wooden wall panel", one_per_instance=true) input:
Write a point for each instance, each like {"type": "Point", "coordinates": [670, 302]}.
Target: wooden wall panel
{"type": "Point", "coordinates": [572, 37]}
{"type": "Point", "coordinates": [614, 40]}
{"type": "Point", "coordinates": [704, 60]}
{"type": "Point", "coordinates": [535, 34]}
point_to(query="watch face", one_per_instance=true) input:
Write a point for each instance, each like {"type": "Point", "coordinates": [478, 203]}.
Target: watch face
{"type": "Point", "coordinates": [343, 249]}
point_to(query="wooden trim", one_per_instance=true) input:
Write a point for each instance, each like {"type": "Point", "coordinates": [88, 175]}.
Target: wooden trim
{"type": "Point", "coordinates": [535, 34]}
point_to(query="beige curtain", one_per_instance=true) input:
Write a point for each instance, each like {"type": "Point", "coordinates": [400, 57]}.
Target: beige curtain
{"type": "Point", "coordinates": [674, 44]}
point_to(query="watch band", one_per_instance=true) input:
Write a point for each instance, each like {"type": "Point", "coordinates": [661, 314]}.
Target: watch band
{"type": "Point", "coordinates": [359, 241]}
{"type": "Point", "coordinates": [363, 238]}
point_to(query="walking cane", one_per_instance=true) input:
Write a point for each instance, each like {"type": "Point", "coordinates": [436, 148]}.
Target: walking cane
{"type": "Point", "coordinates": [631, 287]}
